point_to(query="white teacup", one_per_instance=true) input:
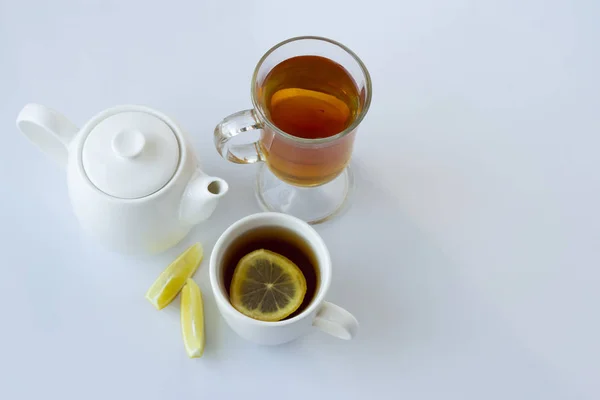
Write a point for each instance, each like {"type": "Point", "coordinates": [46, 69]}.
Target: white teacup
{"type": "Point", "coordinates": [323, 315]}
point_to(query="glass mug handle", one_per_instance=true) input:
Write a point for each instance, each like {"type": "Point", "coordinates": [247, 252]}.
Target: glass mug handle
{"type": "Point", "coordinates": [232, 126]}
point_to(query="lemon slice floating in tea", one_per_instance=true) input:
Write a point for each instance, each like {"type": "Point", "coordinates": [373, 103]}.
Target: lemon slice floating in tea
{"type": "Point", "coordinates": [192, 319]}
{"type": "Point", "coordinates": [302, 112]}
{"type": "Point", "coordinates": [172, 279]}
{"type": "Point", "coordinates": [267, 286]}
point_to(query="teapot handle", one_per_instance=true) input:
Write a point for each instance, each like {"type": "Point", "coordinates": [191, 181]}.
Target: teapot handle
{"type": "Point", "coordinates": [49, 130]}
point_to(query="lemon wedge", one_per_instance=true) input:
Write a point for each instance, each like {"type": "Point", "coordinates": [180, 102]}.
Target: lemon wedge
{"type": "Point", "coordinates": [192, 319]}
{"type": "Point", "coordinates": [267, 286]}
{"type": "Point", "coordinates": [166, 287]}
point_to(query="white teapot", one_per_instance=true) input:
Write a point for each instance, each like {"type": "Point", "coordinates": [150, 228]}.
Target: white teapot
{"type": "Point", "coordinates": [134, 181]}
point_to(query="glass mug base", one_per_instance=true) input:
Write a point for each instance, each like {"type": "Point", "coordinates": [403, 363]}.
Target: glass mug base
{"type": "Point", "coordinates": [311, 204]}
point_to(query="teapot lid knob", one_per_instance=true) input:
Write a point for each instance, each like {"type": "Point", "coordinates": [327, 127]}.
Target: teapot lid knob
{"type": "Point", "coordinates": [128, 143]}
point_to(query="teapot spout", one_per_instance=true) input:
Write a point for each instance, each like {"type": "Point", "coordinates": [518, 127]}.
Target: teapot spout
{"type": "Point", "coordinates": [201, 197]}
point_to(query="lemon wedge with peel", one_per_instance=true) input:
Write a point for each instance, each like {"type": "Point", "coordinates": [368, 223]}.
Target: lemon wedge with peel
{"type": "Point", "coordinates": [166, 287]}
{"type": "Point", "coordinates": [267, 286]}
{"type": "Point", "coordinates": [192, 319]}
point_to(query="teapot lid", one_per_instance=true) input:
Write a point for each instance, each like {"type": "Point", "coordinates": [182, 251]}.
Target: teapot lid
{"type": "Point", "coordinates": [130, 154]}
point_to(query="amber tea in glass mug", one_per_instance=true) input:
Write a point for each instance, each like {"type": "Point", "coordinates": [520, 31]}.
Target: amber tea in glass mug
{"type": "Point", "coordinates": [309, 96]}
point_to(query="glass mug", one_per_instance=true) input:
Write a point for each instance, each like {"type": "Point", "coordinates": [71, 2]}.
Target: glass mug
{"type": "Point", "coordinates": [306, 177]}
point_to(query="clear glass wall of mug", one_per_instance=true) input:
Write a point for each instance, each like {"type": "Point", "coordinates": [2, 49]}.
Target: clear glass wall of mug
{"type": "Point", "coordinates": [309, 95]}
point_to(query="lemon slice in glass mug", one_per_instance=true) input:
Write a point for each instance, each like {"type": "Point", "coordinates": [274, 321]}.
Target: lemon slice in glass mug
{"type": "Point", "coordinates": [267, 286]}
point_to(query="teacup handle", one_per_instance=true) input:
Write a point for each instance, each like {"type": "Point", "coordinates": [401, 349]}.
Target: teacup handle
{"type": "Point", "coordinates": [336, 321]}
{"type": "Point", "coordinates": [232, 126]}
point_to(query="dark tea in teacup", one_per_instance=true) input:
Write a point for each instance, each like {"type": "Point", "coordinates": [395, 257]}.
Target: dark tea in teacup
{"type": "Point", "coordinates": [280, 241]}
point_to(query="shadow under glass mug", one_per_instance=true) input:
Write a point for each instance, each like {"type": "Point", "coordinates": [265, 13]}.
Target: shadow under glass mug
{"type": "Point", "coordinates": [309, 95]}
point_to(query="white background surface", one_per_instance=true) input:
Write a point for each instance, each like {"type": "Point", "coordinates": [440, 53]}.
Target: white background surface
{"type": "Point", "coordinates": [470, 255]}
